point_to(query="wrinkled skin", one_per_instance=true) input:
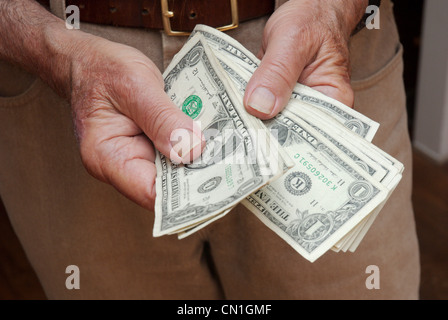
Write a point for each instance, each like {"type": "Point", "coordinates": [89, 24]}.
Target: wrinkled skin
{"type": "Point", "coordinates": [306, 41]}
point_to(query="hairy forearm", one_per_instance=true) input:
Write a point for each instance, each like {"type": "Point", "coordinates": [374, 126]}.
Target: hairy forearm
{"type": "Point", "coordinates": [37, 41]}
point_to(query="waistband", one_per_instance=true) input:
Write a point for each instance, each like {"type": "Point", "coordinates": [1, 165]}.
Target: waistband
{"type": "Point", "coordinates": [176, 17]}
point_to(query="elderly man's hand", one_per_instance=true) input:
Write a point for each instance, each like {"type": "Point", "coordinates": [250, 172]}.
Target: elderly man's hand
{"type": "Point", "coordinates": [304, 41]}
{"type": "Point", "coordinates": [121, 112]}
{"type": "Point", "coordinates": [120, 109]}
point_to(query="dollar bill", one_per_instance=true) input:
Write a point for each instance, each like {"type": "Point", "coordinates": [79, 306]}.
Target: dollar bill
{"type": "Point", "coordinates": [240, 64]}
{"type": "Point", "coordinates": [326, 198]}
{"type": "Point", "coordinates": [323, 197]}
{"type": "Point", "coordinates": [367, 156]}
{"type": "Point", "coordinates": [233, 164]}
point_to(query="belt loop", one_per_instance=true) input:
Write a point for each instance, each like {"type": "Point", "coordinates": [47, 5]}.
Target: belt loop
{"type": "Point", "coordinates": [58, 8]}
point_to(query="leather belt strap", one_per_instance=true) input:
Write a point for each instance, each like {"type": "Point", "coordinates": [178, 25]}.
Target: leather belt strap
{"type": "Point", "coordinates": [186, 13]}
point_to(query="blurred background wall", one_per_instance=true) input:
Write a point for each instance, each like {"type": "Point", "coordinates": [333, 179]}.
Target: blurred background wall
{"type": "Point", "coordinates": [430, 134]}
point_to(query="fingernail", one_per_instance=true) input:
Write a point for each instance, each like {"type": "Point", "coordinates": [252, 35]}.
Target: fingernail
{"type": "Point", "coordinates": [185, 145]}
{"type": "Point", "coordinates": [262, 100]}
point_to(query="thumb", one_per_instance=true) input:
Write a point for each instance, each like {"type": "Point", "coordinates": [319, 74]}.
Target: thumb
{"type": "Point", "coordinates": [172, 132]}
{"type": "Point", "coordinates": [271, 85]}
{"type": "Point", "coordinates": [288, 60]}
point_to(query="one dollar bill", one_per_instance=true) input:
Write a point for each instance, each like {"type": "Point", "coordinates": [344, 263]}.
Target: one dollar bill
{"type": "Point", "coordinates": [233, 164]}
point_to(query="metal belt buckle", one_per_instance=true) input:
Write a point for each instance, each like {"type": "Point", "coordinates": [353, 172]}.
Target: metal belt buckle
{"type": "Point", "coordinates": [166, 15]}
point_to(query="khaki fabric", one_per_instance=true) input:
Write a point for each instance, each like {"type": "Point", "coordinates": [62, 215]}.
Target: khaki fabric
{"type": "Point", "coordinates": [65, 217]}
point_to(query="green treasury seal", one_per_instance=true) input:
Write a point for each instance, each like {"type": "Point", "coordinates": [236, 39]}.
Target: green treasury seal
{"type": "Point", "coordinates": [192, 106]}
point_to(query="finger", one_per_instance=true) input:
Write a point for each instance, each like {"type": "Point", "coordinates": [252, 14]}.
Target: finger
{"type": "Point", "coordinates": [125, 162]}
{"type": "Point", "coordinates": [322, 65]}
{"type": "Point", "coordinates": [260, 54]}
{"type": "Point", "coordinates": [172, 132]}
{"type": "Point", "coordinates": [131, 169]}
{"type": "Point", "coordinates": [271, 85]}
{"type": "Point", "coordinates": [330, 75]}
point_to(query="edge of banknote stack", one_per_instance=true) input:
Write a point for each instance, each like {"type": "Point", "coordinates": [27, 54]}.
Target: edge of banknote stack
{"type": "Point", "coordinates": [310, 174]}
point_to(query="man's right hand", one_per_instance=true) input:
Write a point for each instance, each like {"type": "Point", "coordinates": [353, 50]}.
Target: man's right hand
{"type": "Point", "coordinates": [120, 109]}
{"type": "Point", "coordinates": [121, 113]}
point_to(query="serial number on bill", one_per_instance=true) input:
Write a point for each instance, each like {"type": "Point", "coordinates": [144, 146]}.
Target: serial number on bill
{"type": "Point", "coordinates": [225, 309]}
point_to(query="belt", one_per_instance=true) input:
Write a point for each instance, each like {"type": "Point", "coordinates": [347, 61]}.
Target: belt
{"type": "Point", "coordinates": [176, 17]}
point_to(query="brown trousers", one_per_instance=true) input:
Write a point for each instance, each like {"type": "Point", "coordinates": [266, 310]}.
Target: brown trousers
{"type": "Point", "coordinates": [64, 217]}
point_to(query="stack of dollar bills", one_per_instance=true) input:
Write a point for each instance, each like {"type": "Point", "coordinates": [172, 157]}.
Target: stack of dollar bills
{"type": "Point", "coordinates": [310, 174]}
